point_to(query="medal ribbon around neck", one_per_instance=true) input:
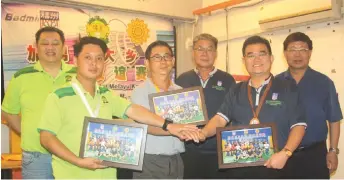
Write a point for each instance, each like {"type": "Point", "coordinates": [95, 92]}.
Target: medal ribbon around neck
{"type": "Point", "coordinates": [255, 119]}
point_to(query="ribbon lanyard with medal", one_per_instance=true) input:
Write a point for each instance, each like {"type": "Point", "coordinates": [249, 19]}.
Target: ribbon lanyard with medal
{"type": "Point", "coordinates": [94, 113]}
{"type": "Point", "coordinates": [255, 119]}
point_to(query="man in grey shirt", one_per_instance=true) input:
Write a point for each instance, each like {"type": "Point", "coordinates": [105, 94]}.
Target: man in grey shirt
{"type": "Point", "coordinates": [162, 154]}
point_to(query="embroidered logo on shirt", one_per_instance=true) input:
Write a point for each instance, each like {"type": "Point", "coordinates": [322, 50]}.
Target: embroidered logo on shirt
{"type": "Point", "coordinates": [274, 96]}
{"type": "Point", "coordinates": [104, 100]}
{"type": "Point", "coordinates": [219, 86]}
{"type": "Point", "coordinates": [273, 102]}
{"type": "Point", "coordinates": [68, 78]}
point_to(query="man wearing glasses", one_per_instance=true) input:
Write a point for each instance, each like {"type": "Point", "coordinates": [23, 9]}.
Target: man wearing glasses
{"type": "Point", "coordinates": [162, 154]}
{"type": "Point", "coordinates": [319, 96]}
{"type": "Point", "coordinates": [200, 160]}
{"type": "Point", "coordinates": [262, 99]}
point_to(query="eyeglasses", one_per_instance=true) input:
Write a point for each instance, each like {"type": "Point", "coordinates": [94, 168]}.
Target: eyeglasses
{"type": "Point", "coordinates": [202, 49]}
{"type": "Point", "coordinates": [301, 51]}
{"type": "Point", "coordinates": [252, 56]}
{"type": "Point", "coordinates": [158, 58]}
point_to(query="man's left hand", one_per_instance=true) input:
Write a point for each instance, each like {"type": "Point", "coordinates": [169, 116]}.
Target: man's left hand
{"type": "Point", "coordinates": [332, 161]}
{"type": "Point", "coordinates": [277, 160]}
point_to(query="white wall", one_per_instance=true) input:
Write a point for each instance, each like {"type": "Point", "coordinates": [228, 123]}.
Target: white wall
{"type": "Point", "coordinates": [177, 8]}
{"type": "Point", "coordinates": [327, 55]}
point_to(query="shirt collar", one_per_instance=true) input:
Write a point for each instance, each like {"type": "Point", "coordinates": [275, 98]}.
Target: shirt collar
{"type": "Point", "coordinates": [210, 73]}
{"type": "Point", "coordinates": [263, 84]}
{"type": "Point", "coordinates": [38, 66]}
{"type": "Point", "coordinates": [74, 80]}
{"type": "Point", "coordinates": [172, 87]}
{"type": "Point", "coordinates": [287, 75]}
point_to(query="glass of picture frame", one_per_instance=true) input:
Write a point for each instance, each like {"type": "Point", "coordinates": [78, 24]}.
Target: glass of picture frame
{"type": "Point", "coordinates": [244, 146]}
{"type": "Point", "coordinates": [183, 106]}
{"type": "Point", "coordinates": [118, 143]}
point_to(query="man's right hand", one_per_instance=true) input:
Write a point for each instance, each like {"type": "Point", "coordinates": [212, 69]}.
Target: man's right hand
{"type": "Point", "coordinates": [197, 136]}
{"type": "Point", "coordinates": [202, 135]}
{"type": "Point", "coordinates": [90, 163]}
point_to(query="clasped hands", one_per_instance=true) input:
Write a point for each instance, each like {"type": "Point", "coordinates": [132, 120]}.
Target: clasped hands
{"type": "Point", "coordinates": [187, 132]}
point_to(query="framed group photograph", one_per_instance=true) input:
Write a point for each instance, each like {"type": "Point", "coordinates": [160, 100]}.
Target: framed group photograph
{"type": "Point", "coordinates": [184, 106]}
{"type": "Point", "coordinates": [244, 146]}
{"type": "Point", "coordinates": [119, 143]}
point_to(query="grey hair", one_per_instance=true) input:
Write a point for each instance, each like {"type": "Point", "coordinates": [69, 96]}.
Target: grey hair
{"type": "Point", "coordinates": [205, 36]}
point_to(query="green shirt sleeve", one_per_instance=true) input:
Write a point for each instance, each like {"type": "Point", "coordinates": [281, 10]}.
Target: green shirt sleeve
{"type": "Point", "coordinates": [11, 102]}
{"type": "Point", "coordinates": [119, 106]}
{"type": "Point", "coordinates": [51, 115]}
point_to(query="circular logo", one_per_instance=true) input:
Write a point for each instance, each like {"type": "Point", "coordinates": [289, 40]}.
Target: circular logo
{"type": "Point", "coordinates": [99, 28]}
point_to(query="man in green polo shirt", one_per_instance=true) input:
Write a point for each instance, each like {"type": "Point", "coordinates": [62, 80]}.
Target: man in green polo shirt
{"type": "Point", "coordinates": [25, 97]}
{"type": "Point", "coordinates": [66, 108]}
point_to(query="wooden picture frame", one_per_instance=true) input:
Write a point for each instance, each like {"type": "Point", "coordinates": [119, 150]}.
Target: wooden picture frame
{"type": "Point", "coordinates": [245, 146]}
{"type": "Point", "coordinates": [184, 106]}
{"type": "Point", "coordinates": [119, 143]}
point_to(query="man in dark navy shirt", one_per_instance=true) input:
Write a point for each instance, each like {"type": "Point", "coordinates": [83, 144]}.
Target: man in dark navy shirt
{"type": "Point", "coordinates": [279, 104]}
{"type": "Point", "coordinates": [319, 96]}
{"type": "Point", "coordinates": [200, 160]}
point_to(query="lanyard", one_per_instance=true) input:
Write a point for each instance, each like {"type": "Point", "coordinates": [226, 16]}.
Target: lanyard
{"type": "Point", "coordinates": [160, 90]}
{"type": "Point", "coordinates": [84, 100]}
{"type": "Point", "coordinates": [255, 119]}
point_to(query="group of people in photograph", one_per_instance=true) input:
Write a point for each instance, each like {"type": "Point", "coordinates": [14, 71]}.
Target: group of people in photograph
{"type": "Point", "coordinates": [46, 104]}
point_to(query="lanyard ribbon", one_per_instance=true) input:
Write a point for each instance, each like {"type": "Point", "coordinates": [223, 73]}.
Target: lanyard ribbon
{"type": "Point", "coordinates": [94, 113]}
{"type": "Point", "coordinates": [255, 119]}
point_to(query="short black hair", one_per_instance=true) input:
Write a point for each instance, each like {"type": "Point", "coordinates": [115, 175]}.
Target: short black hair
{"type": "Point", "coordinates": [297, 36]}
{"type": "Point", "coordinates": [50, 29]}
{"type": "Point", "coordinates": [256, 40]}
{"type": "Point", "coordinates": [89, 40]}
{"type": "Point", "coordinates": [155, 44]}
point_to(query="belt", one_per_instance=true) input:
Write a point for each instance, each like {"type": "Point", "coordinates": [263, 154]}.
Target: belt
{"type": "Point", "coordinates": [314, 145]}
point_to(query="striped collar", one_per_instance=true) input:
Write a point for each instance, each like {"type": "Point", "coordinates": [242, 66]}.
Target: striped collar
{"type": "Point", "coordinates": [267, 80]}
{"type": "Point", "coordinates": [210, 73]}
{"type": "Point", "coordinates": [64, 67]}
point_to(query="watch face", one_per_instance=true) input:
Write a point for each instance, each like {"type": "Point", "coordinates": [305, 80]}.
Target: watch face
{"type": "Point", "coordinates": [287, 152]}
{"type": "Point", "coordinates": [169, 120]}
{"type": "Point", "coordinates": [336, 150]}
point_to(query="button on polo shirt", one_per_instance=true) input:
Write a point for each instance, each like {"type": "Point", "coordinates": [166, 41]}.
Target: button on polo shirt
{"type": "Point", "coordinates": [64, 115]}
{"type": "Point", "coordinates": [26, 94]}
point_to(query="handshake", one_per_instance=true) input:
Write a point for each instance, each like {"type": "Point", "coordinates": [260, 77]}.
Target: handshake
{"type": "Point", "coordinates": [187, 132]}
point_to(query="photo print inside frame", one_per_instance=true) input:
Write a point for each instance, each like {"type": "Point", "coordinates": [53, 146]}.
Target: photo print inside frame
{"type": "Point", "coordinates": [119, 143]}
{"type": "Point", "coordinates": [184, 106]}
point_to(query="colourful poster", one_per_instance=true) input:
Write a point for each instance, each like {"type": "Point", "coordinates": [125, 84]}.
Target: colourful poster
{"type": "Point", "coordinates": [127, 36]}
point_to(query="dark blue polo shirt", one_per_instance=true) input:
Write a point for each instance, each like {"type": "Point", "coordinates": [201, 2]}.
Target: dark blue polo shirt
{"type": "Point", "coordinates": [215, 89]}
{"type": "Point", "coordinates": [319, 96]}
{"type": "Point", "coordinates": [282, 106]}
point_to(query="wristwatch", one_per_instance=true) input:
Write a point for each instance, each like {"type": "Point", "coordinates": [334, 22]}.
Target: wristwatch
{"type": "Point", "coordinates": [336, 150]}
{"type": "Point", "coordinates": [287, 152]}
{"type": "Point", "coordinates": [167, 122]}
